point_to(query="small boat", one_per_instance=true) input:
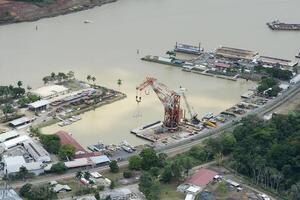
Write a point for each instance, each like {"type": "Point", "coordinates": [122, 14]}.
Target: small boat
{"type": "Point", "coordinates": [208, 115]}
{"type": "Point", "coordinates": [87, 21]}
{"type": "Point", "coordinates": [298, 56]}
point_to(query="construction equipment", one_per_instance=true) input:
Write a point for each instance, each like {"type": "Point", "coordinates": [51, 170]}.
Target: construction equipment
{"type": "Point", "coordinates": [170, 100]}
{"type": "Point", "coordinates": [193, 115]}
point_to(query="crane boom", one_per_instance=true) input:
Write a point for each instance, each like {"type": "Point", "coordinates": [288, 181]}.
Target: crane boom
{"type": "Point", "coordinates": [170, 100]}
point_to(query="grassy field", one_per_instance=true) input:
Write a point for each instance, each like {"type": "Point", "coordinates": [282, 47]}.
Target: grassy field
{"type": "Point", "coordinates": [168, 192]}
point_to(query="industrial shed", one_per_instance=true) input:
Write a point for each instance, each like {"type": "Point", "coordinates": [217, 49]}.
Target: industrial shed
{"type": "Point", "coordinates": [8, 135]}
{"type": "Point", "coordinates": [39, 105]}
{"type": "Point", "coordinates": [14, 142]}
{"type": "Point", "coordinates": [13, 164]}
{"type": "Point", "coordinates": [20, 122]}
{"type": "Point", "coordinates": [38, 153]}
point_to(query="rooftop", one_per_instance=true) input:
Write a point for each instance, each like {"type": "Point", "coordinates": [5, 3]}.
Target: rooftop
{"type": "Point", "coordinates": [49, 91]}
{"type": "Point", "coordinates": [8, 135]}
{"type": "Point", "coordinates": [14, 142]}
{"type": "Point", "coordinates": [39, 104]}
{"type": "Point", "coordinates": [100, 159]}
{"type": "Point", "coordinates": [202, 177]}
{"type": "Point", "coordinates": [9, 194]}
{"type": "Point", "coordinates": [20, 121]}
{"type": "Point", "coordinates": [80, 162]}
{"type": "Point", "coordinates": [66, 138]}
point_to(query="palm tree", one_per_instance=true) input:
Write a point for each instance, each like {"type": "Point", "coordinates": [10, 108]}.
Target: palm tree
{"type": "Point", "coordinates": [88, 78]}
{"type": "Point", "coordinates": [71, 75]}
{"type": "Point", "coordinates": [87, 175]}
{"type": "Point", "coordinates": [78, 174]}
{"type": "Point", "coordinates": [53, 76]}
{"type": "Point", "coordinates": [19, 84]}
{"type": "Point", "coordinates": [94, 79]}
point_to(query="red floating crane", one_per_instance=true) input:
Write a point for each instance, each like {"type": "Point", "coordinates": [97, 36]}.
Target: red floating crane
{"type": "Point", "coordinates": [170, 100]}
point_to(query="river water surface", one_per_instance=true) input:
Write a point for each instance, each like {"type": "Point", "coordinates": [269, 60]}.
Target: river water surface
{"type": "Point", "coordinates": [107, 49]}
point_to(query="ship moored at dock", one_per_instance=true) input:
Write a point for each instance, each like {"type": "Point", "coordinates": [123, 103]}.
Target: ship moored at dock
{"type": "Point", "coordinates": [188, 49]}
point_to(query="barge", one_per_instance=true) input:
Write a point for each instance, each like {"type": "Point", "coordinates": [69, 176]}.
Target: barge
{"type": "Point", "coordinates": [277, 25]}
{"type": "Point", "coordinates": [188, 49]}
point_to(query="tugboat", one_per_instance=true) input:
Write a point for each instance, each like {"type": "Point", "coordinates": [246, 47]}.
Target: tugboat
{"type": "Point", "coordinates": [298, 56]}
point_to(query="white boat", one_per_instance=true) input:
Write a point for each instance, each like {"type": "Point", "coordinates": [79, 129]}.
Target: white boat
{"type": "Point", "coordinates": [208, 115]}
{"type": "Point", "coordinates": [87, 21]}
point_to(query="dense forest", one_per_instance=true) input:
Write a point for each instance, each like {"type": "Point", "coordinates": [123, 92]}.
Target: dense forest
{"type": "Point", "coordinates": [268, 152]}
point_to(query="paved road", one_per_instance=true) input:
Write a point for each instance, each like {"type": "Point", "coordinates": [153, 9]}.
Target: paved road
{"type": "Point", "coordinates": [178, 147]}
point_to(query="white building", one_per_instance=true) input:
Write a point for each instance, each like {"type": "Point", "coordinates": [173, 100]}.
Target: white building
{"type": "Point", "coordinates": [8, 194]}
{"type": "Point", "coordinates": [14, 163]}
{"type": "Point", "coordinates": [14, 142]}
{"type": "Point", "coordinates": [38, 153]}
{"type": "Point", "coordinates": [8, 135]}
{"type": "Point", "coordinates": [39, 105]}
{"type": "Point", "coordinates": [50, 91]}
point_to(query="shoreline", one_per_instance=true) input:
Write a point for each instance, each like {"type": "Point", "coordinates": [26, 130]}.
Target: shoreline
{"type": "Point", "coordinates": [47, 10]}
{"type": "Point", "coordinates": [78, 112]}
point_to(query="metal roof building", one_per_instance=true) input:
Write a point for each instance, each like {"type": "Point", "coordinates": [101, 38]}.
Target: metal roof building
{"type": "Point", "coordinates": [8, 135]}
{"type": "Point", "coordinates": [21, 121]}
{"type": "Point", "coordinates": [8, 194]}
{"type": "Point", "coordinates": [38, 105]}
{"type": "Point", "coordinates": [80, 162]}
{"type": "Point", "coordinates": [235, 53]}
{"type": "Point", "coordinates": [202, 177]}
{"type": "Point", "coordinates": [14, 142]}
{"type": "Point", "coordinates": [100, 159]}
{"type": "Point", "coordinates": [13, 164]}
{"type": "Point", "coordinates": [37, 151]}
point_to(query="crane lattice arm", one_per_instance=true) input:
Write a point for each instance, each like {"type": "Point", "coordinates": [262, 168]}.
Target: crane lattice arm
{"type": "Point", "coordinates": [170, 99]}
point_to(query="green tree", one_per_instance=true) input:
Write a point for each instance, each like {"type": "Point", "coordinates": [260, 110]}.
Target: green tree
{"type": "Point", "coordinates": [51, 143]}
{"type": "Point", "coordinates": [135, 162]}
{"type": "Point", "coordinates": [112, 184]}
{"type": "Point", "coordinates": [66, 151]}
{"type": "Point", "coordinates": [59, 168]}
{"type": "Point", "coordinates": [88, 78]}
{"type": "Point", "coordinates": [93, 79]}
{"type": "Point", "coordinates": [127, 174]}
{"type": "Point", "coordinates": [87, 175]}
{"type": "Point", "coordinates": [149, 186]}
{"type": "Point", "coordinates": [149, 158]}
{"type": "Point", "coordinates": [167, 175]}
{"type": "Point", "coordinates": [71, 75]}
{"type": "Point", "coordinates": [154, 171]}
{"type": "Point", "coordinates": [79, 174]}
{"type": "Point", "coordinates": [113, 165]}
{"type": "Point", "coordinates": [25, 190]}
{"type": "Point", "coordinates": [19, 83]}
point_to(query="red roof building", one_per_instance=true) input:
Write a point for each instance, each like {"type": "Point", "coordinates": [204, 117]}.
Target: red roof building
{"type": "Point", "coordinates": [202, 177]}
{"type": "Point", "coordinates": [80, 152]}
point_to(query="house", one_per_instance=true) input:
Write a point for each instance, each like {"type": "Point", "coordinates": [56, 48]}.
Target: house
{"type": "Point", "coordinates": [118, 194]}
{"type": "Point", "coordinates": [202, 177]}
{"type": "Point", "coordinates": [61, 188]}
